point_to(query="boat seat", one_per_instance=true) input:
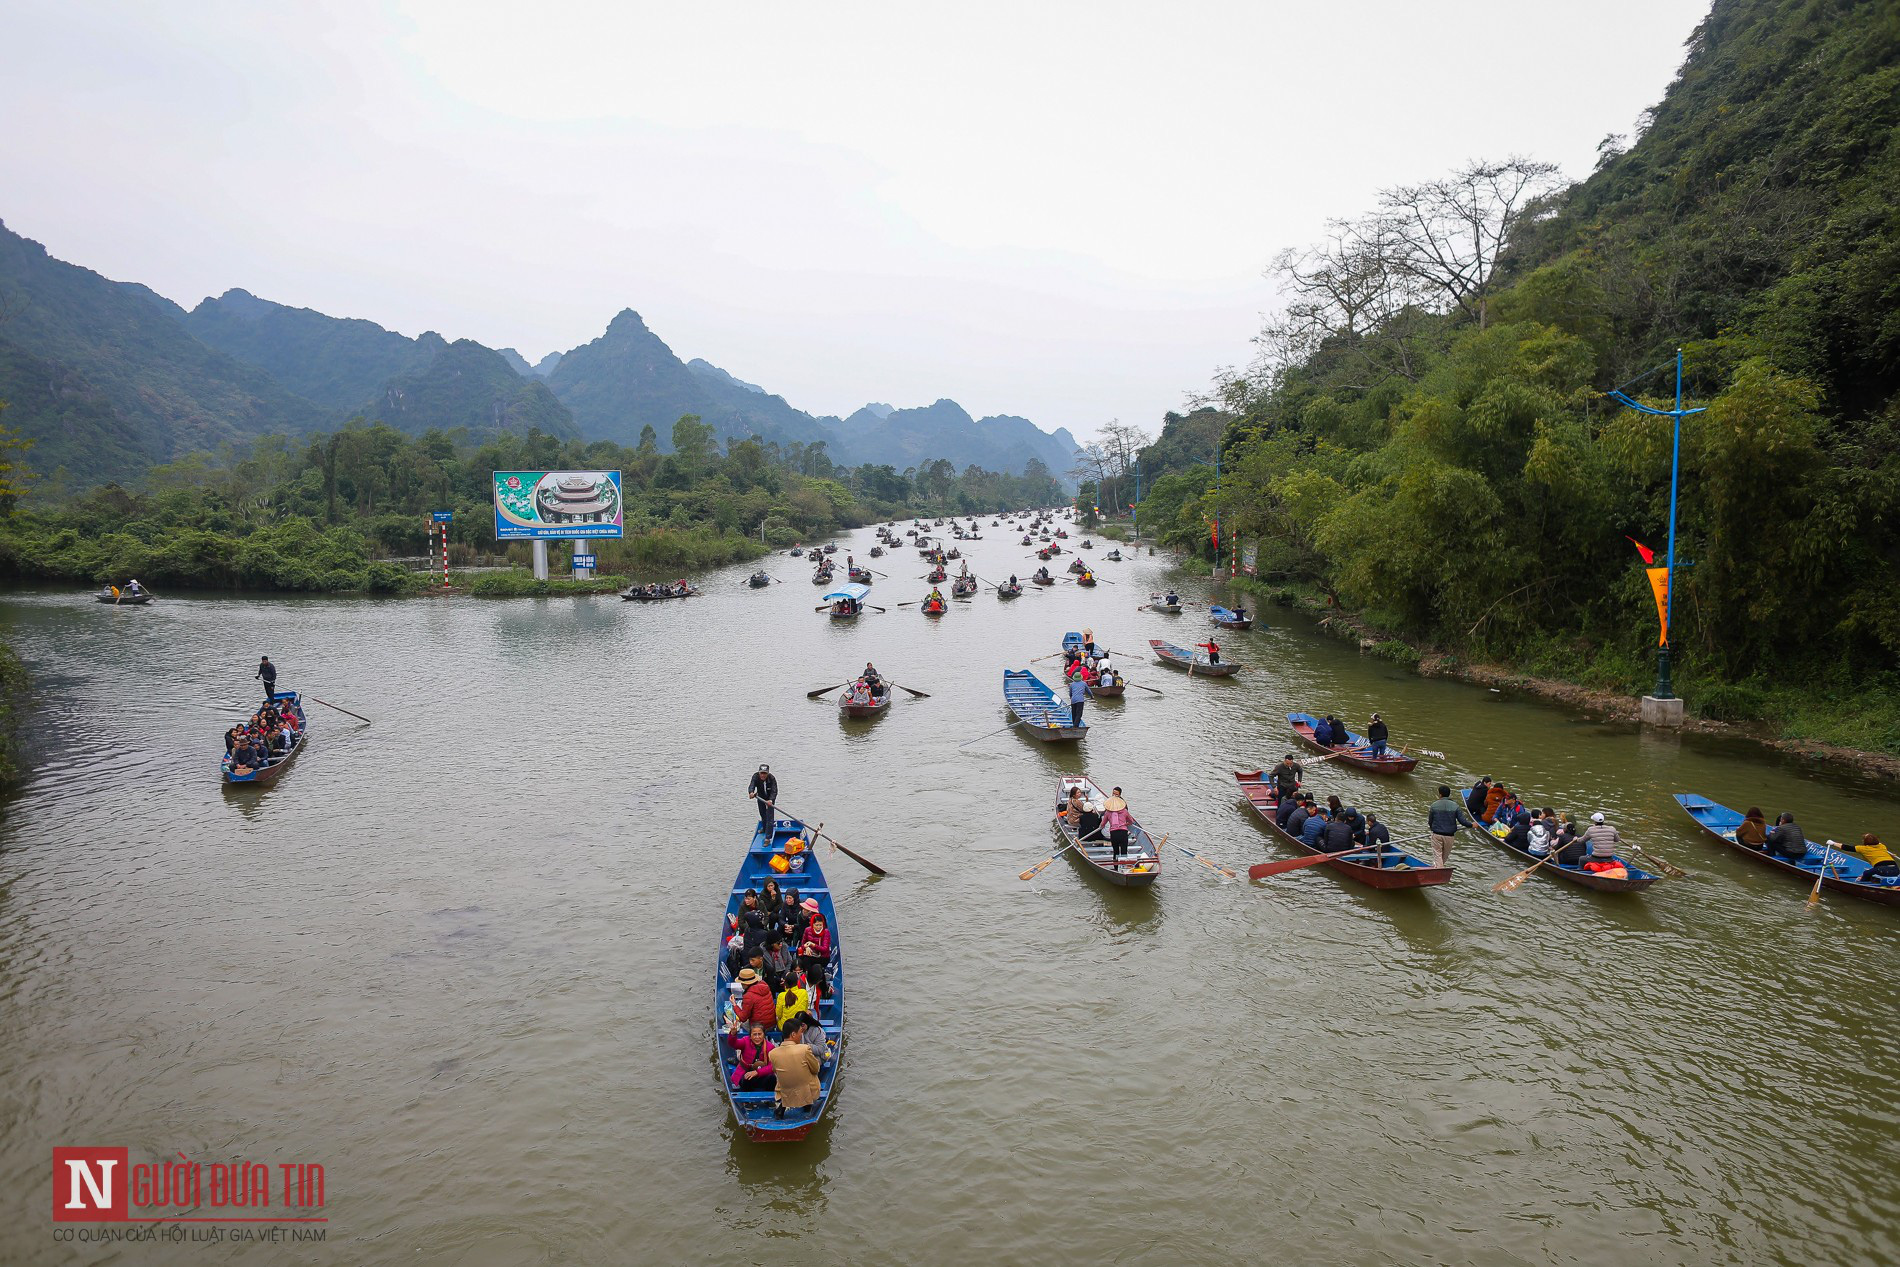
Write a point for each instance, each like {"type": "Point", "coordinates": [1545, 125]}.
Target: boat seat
{"type": "Point", "coordinates": [754, 1097]}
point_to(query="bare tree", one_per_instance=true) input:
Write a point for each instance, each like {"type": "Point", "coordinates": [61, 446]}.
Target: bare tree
{"type": "Point", "coordinates": [1447, 235]}
{"type": "Point", "coordinates": [1349, 294]}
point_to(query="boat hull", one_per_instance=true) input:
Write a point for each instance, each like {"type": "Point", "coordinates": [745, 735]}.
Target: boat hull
{"type": "Point", "coordinates": [752, 1110]}
{"type": "Point", "coordinates": [1196, 666]}
{"type": "Point", "coordinates": [1637, 880]}
{"type": "Point", "coordinates": [1408, 871]}
{"type": "Point", "coordinates": [274, 771]}
{"type": "Point", "coordinates": [1719, 821]}
{"type": "Point", "coordinates": [1391, 763]}
{"type": "Point", "coordinates": [1035, 706]}
{"type": "Point", "coordinates": [859, 711]}
{"type": "Point", "coordinates": [1140, 867]}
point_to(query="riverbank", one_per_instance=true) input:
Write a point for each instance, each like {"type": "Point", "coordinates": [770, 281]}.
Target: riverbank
{"type": "Point", "coordinates": [15, 690]}
{"type": "Point", "coordinates": [1833, 728]}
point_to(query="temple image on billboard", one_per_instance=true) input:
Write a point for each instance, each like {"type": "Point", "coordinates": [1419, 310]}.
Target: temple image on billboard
{"type": "Point", "coordinates": [576, 499]}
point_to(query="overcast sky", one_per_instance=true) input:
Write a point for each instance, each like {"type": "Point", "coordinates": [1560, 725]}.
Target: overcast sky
{"type": "Point", "coordinates": [1050, 209]}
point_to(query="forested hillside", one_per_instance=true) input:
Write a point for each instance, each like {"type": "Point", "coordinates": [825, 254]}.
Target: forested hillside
{"type": "Point", "coordinates": [1426, 436]}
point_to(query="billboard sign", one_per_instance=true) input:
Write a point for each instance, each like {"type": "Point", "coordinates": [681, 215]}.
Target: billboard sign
{"type": "Point", "coordinates": [442, 516]}
{"type": "Point", "coordinates": [531, 505]}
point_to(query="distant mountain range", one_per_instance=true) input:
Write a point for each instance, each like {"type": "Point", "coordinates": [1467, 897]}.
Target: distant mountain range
{"type": "Point", "coordinates": [110, 377]}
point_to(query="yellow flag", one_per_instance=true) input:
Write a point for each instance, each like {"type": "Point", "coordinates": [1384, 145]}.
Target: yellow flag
{"type": "Point", "coordinates": [1659, 584]}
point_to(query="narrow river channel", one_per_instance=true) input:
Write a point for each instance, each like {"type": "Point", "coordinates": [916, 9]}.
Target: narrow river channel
{"type": "Point", "coordinates": [461, 956]}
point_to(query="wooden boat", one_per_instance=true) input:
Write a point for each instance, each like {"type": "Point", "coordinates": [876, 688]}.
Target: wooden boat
{"type": "Point", "coordinates": [1009, 591]}
{"type": "Point", "coordinates": [1840, 871]}
{"type": "Point", "coordinates": [1027, 541]}
{"type": "Point", "coordinates": [963, 586]}
{"type": "Point", "coordinates": [847, 601]}
{"type": "Point", "coordinates": [797, 552]}
{"type": "Point", "coordinates": [753, 1109]}
{"type": "Point", "coordinates": [931, 608]}
{"type": "Point", "coordinates": [639, 595]}
{"type": "Point", "coordinates": [1139, 868]}
{"type": "Point", "coordinates": [1159, 603]}
{"type": "Point", "coordinates": [856, 708]}
{"type": "Point", "coordinates": [1115, 691]}
{"type": "Point", "coordinates": [758, 580]}
{"type": "Point", "coordinates": [822, 576]}
{"type": "Point", "coordinates": [123, 599]}
{"type": "Point", "coordinates": [1113, 556]}
{"type": "Point", "coordinates": [1229, 619]}
{"type": "Point", "coordinates": [1636, 880]}
{"type": "Point", "coordinates": [1393, 762]}
{"type": "Point", "coordinates": [1041, 579]}
{"type": "Point", "coordinates": [1395, 869]}
{"type": "Point", "coordinates": [937, 575]}
{"type": "Point", "coordinates": [1043, 716]}
{"type": "Point", "coordinates": [1194, 662]}
{"type": "Point", "coordinates": [1086, 580]}
{"type": "Point", "coordinates": [1077, 567]}
{"type": "Point", "coordinates": [1061, 533]}
{"type": "Point", "coordinates": [1053, 548]}
{"type": "Point", "coordinates": [877, 552]}
{"type": "Point", "coordinates": [953, 553]}
{"type": "Point", "coordinates": [831, 547]}
{"type": "Point", "coordinates": [269, 773]}
{"type": "Point", "coordinates": [860, 576]}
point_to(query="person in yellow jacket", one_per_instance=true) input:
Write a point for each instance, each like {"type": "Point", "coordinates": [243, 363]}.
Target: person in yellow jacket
{"type": "Point", "coordinates": [793, 1000]}
{"type": "Point", "coordinates": [1879, 859]}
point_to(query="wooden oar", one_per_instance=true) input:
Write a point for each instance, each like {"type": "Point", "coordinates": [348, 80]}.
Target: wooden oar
{"type": "Point", "coordinates": [818, 832]}
{"type": "Point", "coordinates": [824, 690]}
{"type": "Point", "coordinates": [1510, 885]}
{"type": "Point", "coordinates": [1827, 864]}
{"type": "Point", "coordinates": [900, 686]}
{"type": "Point", "coordinates": [967, 742]}
{"type": "Point", "coordinates": [327, 704]}
{"type": "Point", "coordinates": [1642, 858]}
{"type": "Point", "coordinates": [1261, 870]}
{"type": "Point", "coordinates": [1197, 857]}
{"type": "Point", "coordinates": [1036, 870]}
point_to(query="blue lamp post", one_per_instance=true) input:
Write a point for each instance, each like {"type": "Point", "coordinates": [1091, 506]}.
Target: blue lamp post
{"type": "Point", "coordinates": [1664, 689]}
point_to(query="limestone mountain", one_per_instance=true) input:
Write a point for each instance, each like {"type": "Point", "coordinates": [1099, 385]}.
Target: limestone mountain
{"type": "Point", "coordinates": [468, 385]}
{"type": "Point", "coordinates": [106, 379]}
{"type": "Point", "coordinates": [338, 362]}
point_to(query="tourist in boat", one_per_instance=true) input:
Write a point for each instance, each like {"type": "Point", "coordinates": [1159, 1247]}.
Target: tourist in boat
{"type": "Point", "coordinates": [1313, 828]}
{"type": "Point", "coordinates": [755, 1004]}
{"type": "Point", "coordinates": [1336, 835]}
{"type": "Point", "coordinates": [814, 949]}
{"type": "Point", "coordinates": [1519, 835]}
{"type": "Point", "coordinates": [1116, 821]}
{"type": "Point", "coordinates": [1078, 696]}
{"type": "Point", "coordinates": [1377, 837]}
{"type": "Point", "coordinates": [770, 899]}
{"type": "Point", "coordinates": [1538, 835]}
{"type": "Point", "coordinates": [764, 790]}
{"type": "Point", "coordinates": [1089, 828]}
{"type": "Point", "coordinates": [1286, 777]}
{"type": "Point", "coordinates": [792, 918]}
{"type": "Point", "coordinates": [1443, 820]}
{"type": "Point", "coordinates": [1293, 811]}
{"type": "Point", "coordinates": [268, 673]}
{"type": "Point", "coordinates": [1752, 831]}
{"type": "Point", "coordinates": [796, 1069]}
{"type": "Point", "coordinates": [1786, 841]}
{"type": "Point", "coordinates": [1509, 807]}
{"type": "Point", "coordinates": [1213, 650]}
{"type": "Point", "coordinates": [1569, 845]}
{"type": "Point", "coordinates": [1493, 797]}
{"type": "Point", "coordinates": [1475, 797]}
{"type": "Point", "coordinates": [1880, 861]}
{"type": "Point", "coordinates": [1376, 735]}
{"type": "Point", "coordinates": [752, 1060]}
{"type": "Point", "coordinates": [780, 962]}
{"type": "Point", "coordinates": [793, 1000]}
{"type": "Point", "coordinates": [816, 1039]}
{"type": "Point", "coordinates": [1070, 811]}
{"type": "Point", "coordinates": [230, 740]}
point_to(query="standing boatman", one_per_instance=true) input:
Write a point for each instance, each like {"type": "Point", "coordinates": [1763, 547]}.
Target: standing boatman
{"type": "Point", "coordinates": [1078, 695]}
{"type": "Point", "coordinates": [764, 790]}
{"type": "Point", "coordinates": [268, 672]}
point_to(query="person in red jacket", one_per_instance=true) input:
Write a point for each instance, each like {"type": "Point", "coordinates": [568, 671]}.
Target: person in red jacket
{"type": "Point", "coordinates": [756, 1008]}
{"type": "Point", "coordinates": [1213, 650]}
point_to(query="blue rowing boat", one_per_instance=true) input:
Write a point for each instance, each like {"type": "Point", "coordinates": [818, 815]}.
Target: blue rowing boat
{"type": "Point", "coordinates": [1356, 751]}
{"type": "Point", "coordinates": [1228, 619]}
{"type": "Point", "coordinates": [1072, 641]}
{"type": "Point", "coordinates": [1838, 869]}
{"type": "Point", "coordinates": [1043, 716]}
{"type": "Point", "coordinates": [753, 1109]}
{"type": "Point", "coordinates": [268, 772]}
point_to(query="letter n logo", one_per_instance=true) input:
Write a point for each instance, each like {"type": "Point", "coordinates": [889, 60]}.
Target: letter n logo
{"type": "Point", "coordinates": [89, 1185]}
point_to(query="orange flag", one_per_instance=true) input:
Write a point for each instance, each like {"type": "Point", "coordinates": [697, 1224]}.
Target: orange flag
{"type": "Point", "coordinates": [1659, 585]}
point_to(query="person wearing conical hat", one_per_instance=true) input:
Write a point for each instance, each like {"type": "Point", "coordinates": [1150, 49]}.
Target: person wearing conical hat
{"type": "Point", "coordinates": [1117, 820]}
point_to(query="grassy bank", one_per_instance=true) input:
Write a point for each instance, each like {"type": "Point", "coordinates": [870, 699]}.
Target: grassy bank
{"type": "Point", "coordinates": [520, 583]}
{"type": "Point", "coordinates": [1805, 716]}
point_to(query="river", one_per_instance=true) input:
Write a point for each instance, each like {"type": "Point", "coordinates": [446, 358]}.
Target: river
{"type": "Point", "coordinates": [460, 956]}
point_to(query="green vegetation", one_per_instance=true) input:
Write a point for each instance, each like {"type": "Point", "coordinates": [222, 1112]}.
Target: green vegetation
{"type": "Point", "coordinates": [327, 513]}
{"type": "Point", "coordinates": [517, 583]}
{"type": "Point", "coordinates": [1428, 441]}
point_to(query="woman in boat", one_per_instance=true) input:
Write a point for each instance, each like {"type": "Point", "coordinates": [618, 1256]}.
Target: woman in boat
{"type": "Point", "coordinates": [1538, 835]}
{"type": "Point", "coordinates": [1519, 836]}
{"type": "Point", "coordinates": [770, 899]}
{"type": "Point", "coordinates": [1752, 831]}
{"type": "Point", "coordinates": [796, 1067]}
{"type": "Point", "coordinates": [780, 963]}
{"type": "Point", "coordinates": [1089, 828]}
{"type": "Point", "coordinates": [1569, 845]}
{"type": "Point", "coordinates": [755, 1005]}
{"type": "Point", "coordinates": [752, 1063]}
{"type": "Point", "coordinates": [1879, 859]}
{"type": "Point", "coordinates": [793, 1000]}
{"type": "Point", "coordinates": [1494, 796]}
{"type": "Point", "coordinates": [1070, 811]}
{"type": "Point", "coordinates": [791, 919]}
{"type": "Point", "coordinates": [814, 949]}
{"type": "Point", "coordinates": [1116, 820]}
{"type": "Point", "coordinates": [1212, 648]}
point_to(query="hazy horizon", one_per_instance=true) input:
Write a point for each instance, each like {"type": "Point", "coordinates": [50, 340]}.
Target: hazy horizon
{"type": "Point", "coordinates": [1061, 214]}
